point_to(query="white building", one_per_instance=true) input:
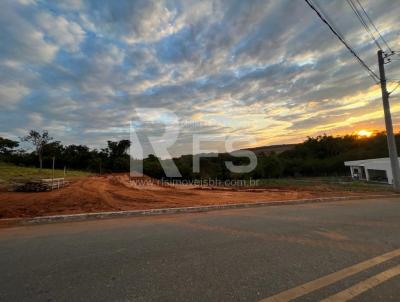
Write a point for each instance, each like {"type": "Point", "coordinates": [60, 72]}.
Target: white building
{"type": "Point", "coordinates": [376, 169]}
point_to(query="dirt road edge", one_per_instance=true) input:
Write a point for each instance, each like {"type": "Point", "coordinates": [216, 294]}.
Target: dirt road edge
{"type": "Point", "coordinates": [152, 212]}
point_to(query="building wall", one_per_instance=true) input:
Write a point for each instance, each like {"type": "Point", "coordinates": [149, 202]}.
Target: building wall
{"type": "Point", "coordinates": [367, 167]}
{"type": "Point", "coordinates": [380, 166]}
{"type": "Point", "coordinates": [360, 169]}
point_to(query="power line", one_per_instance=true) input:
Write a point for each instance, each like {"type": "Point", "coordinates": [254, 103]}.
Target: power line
{"type": "Point", "coordinates": [363, 22]}
{"type": "Point", "coordinates": [373, 25]}
{"type": "Point", "coordinates": [391, 60]}
{"type": "Point", "coordinates": [326, 16]}
{"type": "Point", "coordinates": [393, 52]}
{"type": "Point", "coordinates": [397, 86]}
{"type": "Point", "coordinates": [371, 73]}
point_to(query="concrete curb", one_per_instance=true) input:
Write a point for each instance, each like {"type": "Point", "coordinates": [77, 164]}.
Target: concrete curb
{"type": "Point", "coordinates": [196, 209]}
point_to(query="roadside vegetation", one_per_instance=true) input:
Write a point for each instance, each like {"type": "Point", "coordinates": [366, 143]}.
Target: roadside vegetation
{"type": "Point", "coordinates": [11, 173]}
{"type": "Point", "coordinates": [324, 184]}
{"type": "Point", "coordinates": [321, 156]}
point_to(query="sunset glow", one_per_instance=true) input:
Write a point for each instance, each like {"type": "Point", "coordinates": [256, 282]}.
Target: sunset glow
{"type": "Point", "coordinates": [364, 133]}
{"type": "Point", "coordinates": [81, 70]}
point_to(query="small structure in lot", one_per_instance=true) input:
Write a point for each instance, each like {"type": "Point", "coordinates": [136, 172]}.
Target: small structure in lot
{"type": "Point", "coordinates": [41, 185]}
{"type": "Point", "coordinates": [375, 169]}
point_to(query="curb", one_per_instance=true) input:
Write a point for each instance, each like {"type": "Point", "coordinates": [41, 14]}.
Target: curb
{"type": "Point", "coordinates": [166, 211]}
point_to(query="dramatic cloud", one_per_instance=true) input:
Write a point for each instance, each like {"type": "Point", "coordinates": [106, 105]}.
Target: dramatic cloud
{"type": "Point", "coordinates": [270, 69]}
{"type": "Point", "coordinates": [64, 33]}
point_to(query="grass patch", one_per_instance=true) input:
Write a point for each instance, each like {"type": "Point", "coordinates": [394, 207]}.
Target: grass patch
{"type": "Point", "coordinates": [324, 183]}
{"type": "Point", "coordinates": [11, 173]}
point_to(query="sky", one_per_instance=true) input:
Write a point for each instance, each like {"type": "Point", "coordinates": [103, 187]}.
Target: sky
{"type": "Point", "coordinates": [270, 70]}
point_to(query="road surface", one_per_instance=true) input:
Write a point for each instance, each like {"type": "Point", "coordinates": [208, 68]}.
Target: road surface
{"type": "Point", "coordinates": [333, 251]}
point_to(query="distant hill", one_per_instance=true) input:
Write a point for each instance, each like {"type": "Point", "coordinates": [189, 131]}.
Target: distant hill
{"type": "Point", "coordinates": [263, 150]}
{"type": "Point", "coordinates": [267, 150]}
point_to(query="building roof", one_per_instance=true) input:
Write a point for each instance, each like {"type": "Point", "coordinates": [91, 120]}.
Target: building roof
{"type": "Point", "coordinates": [362, 162]}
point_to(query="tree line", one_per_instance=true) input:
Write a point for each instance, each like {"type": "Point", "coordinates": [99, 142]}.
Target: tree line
{"type": "Point", "coordinates": [316, 156]}
{"type": "Point", "coordinates": [113, 158]}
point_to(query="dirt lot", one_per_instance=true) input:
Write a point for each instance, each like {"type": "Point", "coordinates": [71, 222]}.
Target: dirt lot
{"type": "Point", "coordinates": [116, 192]}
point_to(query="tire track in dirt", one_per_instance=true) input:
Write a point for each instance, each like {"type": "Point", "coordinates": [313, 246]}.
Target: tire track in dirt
{"type": "Point", "coordinates": [99, 188]}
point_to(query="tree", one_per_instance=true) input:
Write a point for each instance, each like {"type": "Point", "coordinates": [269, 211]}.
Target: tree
{"type": "Point", "coordinates": [269, 167]}
{"type": "Point", "coordinates": [79, 157]}
{"type": "Point", "coordinates": [54, 150]}
{"type": "Point", "coordinates": [6, 145]}
{"type": "Point", "coordinates": [152, 167]}
{"type": "Point", "coordinates": [118, 149]}
{"type": "Point", "coordinates": [39, 141]}
{"type": "Point", "coordinates": [116, 157]}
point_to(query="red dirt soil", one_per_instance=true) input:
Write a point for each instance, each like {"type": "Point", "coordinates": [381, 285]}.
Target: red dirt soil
{"type": "Point", "coordinates": [117, 193]}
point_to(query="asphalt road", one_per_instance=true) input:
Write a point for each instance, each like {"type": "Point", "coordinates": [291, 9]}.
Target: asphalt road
{"type": "Point", "coordinates": [349, 249]}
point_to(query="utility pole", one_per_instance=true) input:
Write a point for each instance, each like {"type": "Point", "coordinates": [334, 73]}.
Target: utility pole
{"type": "Point", "coordinates": [394, 162]}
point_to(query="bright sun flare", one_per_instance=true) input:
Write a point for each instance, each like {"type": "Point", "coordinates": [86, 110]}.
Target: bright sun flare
{"type": "Point", "coordinates": [364, 133]}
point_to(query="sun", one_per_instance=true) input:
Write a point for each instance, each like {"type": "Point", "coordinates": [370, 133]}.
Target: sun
{"type": "Point", "coordinates": [364, 133]}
